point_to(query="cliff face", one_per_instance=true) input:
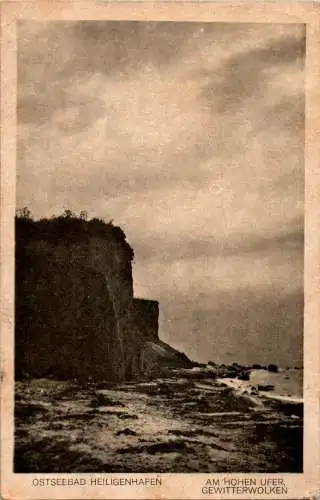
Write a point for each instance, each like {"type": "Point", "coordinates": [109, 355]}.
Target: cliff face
{"type": "Point", "coordinates": [73, 299]}
{"type": "Point", "coordinates": [76, 316]}
{"type": "Point", "coordinates": [145, 314]}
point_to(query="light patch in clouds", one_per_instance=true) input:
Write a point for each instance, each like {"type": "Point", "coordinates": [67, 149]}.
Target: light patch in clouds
{"type": "Point", "coordinates": [191, 137]}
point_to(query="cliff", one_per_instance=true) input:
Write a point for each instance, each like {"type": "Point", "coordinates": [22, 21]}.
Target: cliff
{"type": "Point", "coordinates": [76, 317]}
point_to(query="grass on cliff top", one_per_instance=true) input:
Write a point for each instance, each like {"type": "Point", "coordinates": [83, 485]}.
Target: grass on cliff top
{"type": "Point", "coordinates": [68, 227]}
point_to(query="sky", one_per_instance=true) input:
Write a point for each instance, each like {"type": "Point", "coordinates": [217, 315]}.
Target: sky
{"type": "Point", "coordinates": [190, 136]}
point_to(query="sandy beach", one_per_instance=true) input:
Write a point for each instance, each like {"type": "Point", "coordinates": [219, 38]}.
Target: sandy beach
{"type": "Point", "coordinates": [186, 422]}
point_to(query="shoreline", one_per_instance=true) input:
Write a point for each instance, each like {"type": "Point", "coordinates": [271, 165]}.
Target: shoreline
{"type": "Point", "coordinates": [243, 388]}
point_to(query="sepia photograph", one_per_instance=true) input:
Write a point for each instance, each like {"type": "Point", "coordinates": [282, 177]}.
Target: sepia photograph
{"type": "Point", "coordinates": [159, 247]}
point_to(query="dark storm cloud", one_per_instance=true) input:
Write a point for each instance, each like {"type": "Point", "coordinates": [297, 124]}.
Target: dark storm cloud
{"type": "Point", "coordinates": [40, 108]}
{"type": "Point", "coordinates": [246, 74]}
{"type": "Point", "coordinates": [118, 45]}
{"type": "Point", "coordinates": [289, 240]}
{"type": "Point", "coordinates": [290, 111]}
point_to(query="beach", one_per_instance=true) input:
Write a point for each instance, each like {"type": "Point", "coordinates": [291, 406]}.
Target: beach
{"type": "Point", "coordinates": [187, 421]}
{"type": "Point", "coordinates": [288, 385]}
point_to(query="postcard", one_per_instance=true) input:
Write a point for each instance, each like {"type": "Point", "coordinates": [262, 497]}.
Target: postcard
{"type": "Point", "coordinates": [160, 250]}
